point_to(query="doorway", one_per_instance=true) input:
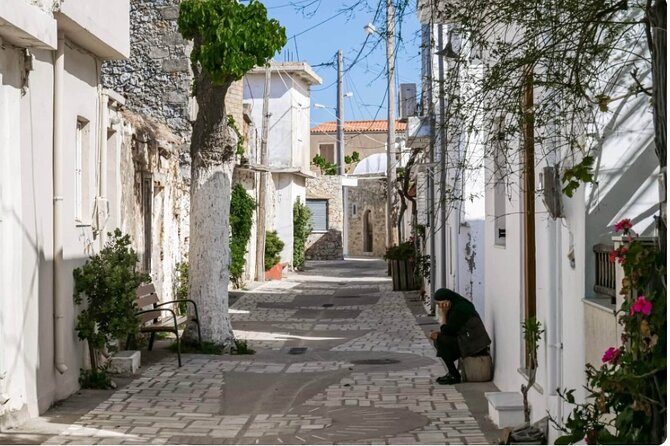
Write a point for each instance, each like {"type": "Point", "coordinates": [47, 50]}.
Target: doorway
{"type": "Point", "coordinates": [367, 232]}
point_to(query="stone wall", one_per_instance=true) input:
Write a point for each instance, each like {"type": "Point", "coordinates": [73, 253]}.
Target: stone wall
{"type": "Point", "coordinates": [157, 79]}
{"type": "Point", "coordinates": [326, 245]}
{"type": "Point", "coordinates": [369, 195]}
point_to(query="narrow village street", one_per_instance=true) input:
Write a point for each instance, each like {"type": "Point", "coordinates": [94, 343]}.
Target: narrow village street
{"type": "Point", "coordinates": [340, 359]}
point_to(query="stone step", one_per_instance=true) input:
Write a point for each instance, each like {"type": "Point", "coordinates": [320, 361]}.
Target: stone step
{"type": "Point", "coordinates": [505, 408]}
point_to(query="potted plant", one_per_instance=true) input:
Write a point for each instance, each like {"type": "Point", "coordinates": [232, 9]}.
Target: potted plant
{"type": "Point", "coordinates": [402, 263]}
{"type": "Point", "coordinates": [273, 248]}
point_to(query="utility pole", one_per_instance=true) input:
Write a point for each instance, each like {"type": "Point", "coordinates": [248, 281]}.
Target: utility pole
{"type": "Point", "coordinates": [340, 113]}
{"type": "Point", "coordinates": [262, 187]}
{"type": "Point", "coordinates": [390, 142]}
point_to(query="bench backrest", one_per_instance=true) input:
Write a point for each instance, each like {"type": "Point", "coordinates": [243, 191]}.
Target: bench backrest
{"type": "Point", "coordinates": [146, 298]}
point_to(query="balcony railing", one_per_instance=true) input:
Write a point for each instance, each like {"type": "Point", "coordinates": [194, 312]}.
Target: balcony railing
{"type": "Point", "coordinates": [605, 272]}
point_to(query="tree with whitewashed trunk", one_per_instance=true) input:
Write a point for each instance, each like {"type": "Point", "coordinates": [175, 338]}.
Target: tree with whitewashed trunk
{"type": "Point", "coordinates": [229, 39]}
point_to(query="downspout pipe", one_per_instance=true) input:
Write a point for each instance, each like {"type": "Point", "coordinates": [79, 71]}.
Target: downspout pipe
{"type": "Point", "coordinates": [58, 262]}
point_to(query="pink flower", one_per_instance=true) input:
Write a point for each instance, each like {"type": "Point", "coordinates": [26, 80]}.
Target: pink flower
{"type": "Point", "coordinates": [623, 225]}
{"type": "Point", "coordinates": [613, 256]}
{"type": "Point", "coordinates": [641, 305]}
{"type": "Point", "coordinates": [611, 355]}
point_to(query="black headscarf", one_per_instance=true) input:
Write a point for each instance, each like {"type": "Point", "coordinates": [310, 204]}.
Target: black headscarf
{"type": "Point", "coordinates": [460, 311]}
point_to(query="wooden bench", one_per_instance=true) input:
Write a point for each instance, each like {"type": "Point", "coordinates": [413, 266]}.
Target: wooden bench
{"type": "Point", "coordinates": [154, 318]}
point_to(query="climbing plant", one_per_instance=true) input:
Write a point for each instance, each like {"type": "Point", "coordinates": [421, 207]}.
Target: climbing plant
{"type": "Point", "coordinates": [328, 168]}
{"type": "Point", "coordinates": [302, 227]}
{"type": "Point", "coordinates": [107, 283]}
{"type": "Point", "coordinates": [628, 393]}
{"type": "Point", "coordinates": [242, 207]}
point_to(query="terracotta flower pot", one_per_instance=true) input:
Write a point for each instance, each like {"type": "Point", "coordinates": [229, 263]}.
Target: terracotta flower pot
{"type": "Point", "coordinates": [274, 273]}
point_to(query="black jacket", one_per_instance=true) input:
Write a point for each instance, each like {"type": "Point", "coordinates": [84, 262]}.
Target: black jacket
{"type": "Point", "coordinates": [464, 323]}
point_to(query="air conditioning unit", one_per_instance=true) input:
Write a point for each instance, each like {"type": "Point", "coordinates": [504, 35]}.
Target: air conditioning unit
{"type": "Point", "coordinates": [551, 191]}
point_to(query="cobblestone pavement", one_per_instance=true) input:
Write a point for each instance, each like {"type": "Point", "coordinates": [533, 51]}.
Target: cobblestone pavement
{"type": "Point", "coordinates": [341, 359]}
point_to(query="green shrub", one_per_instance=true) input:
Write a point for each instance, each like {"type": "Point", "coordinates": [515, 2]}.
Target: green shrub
{"type": "Point", "coordinates": [302, 227]}
{"type": "Point", "coordinates": [108, 282]}
{"type": "Point", "coordinates": [242, 207]}
{"type": "Point", "coordinates": [273, 248]}
{"type": "Point", "coordinates": [181, 283]}
{"type": "Point", "coordinates": [95, 379]}
{"type": "Point", "coordinates": [242, 348]}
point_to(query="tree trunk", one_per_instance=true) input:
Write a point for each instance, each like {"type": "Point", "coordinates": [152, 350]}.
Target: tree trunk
{"type": "Point", "coordinates": [212, 154]}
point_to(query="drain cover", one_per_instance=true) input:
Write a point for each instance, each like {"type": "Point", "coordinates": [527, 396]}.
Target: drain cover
{"type": "Point", "coordinates": [327, 305]}
{"type": "Point", "coordinates": [381, 361]}
{"type": "Point", "coordinates": [297, 350]}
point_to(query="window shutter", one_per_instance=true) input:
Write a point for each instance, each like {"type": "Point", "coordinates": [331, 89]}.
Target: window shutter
{"type": "Point", "coordinates": [319, 210]}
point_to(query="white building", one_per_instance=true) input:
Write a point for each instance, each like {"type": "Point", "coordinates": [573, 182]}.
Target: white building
{"type": "Point", "coordinates": [51, 186]}
{"type": "Point", "coordinates": [554, 270]}
{"type": "Point", "coordinates": [288, 140]}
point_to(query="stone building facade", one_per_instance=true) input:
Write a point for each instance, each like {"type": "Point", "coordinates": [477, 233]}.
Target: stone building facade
{"type": "Point", "coordinates": [156, 83]}
{"type": "Point", "coordinates": [367, 217]}
{"type": "Point", "coordinates": [326, 245]}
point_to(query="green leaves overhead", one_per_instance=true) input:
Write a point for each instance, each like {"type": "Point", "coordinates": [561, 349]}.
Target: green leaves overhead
{"type": "Point", "coordinates": [229, 38]}
{"type": "Point", "coordinates": [578, 174]}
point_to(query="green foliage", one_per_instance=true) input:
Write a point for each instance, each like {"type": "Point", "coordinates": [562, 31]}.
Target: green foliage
{"type": "Point", "coordinates": [354, 158]}
{"type": "Point", "coordinates": [189, 346]}
{"type": "Point", "coordinates": [242, 207]}
{"type": "Point", "coordinates": [181, 285]}
{"type": "Point", "coordinates": [239, 150]}
{"type": "Point", "coordinates": [242, 348]}
{"type": "Point", "coordinates": [230, 38]}
{"type": "Point", "coordinates": [326, 167]}
{"type": "Point", "coordinates": [108, 282]}
{"type": "Point", "coordinates": [402, 251]}
{"type": "Point", "coordinates": [273, 248]}
{"type": "Point", "coordinates": [627, 394]}
{"type": "Point", "coordinates": [532, 333]}
{"type": "Point", "coordinates": [95, 379]}
{"type": "Point", "coordinates": [579, 173]}
{"type": "Point", "coordinates": [302, 227]}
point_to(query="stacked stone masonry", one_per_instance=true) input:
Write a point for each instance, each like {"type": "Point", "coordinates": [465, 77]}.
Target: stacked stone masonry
{"type": "Point", "coordinates": [326, 245]}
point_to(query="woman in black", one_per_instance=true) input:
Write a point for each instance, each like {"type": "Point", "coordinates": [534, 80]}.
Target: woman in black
{"type": "Point", "coordinates": [463, 334]}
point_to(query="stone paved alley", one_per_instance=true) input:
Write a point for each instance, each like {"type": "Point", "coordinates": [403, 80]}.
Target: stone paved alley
{"type": "Point", "coordinates": [340, 359]}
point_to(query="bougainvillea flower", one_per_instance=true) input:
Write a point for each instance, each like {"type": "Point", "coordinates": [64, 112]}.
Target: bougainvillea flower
{"type": "Point", "coordinates": [623, 225]}
{"type": "Point", "coordinates": [641, 305]}
{"type": "Point", "coordinates": [613, 256]}
{"type": "Point", "coordinates": [611, 355]}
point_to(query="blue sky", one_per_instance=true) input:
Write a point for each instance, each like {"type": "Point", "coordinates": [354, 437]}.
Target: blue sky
{"type": "Point", "coordinates": [335, 24]}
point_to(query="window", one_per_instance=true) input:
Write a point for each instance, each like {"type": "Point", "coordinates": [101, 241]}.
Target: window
{"type": "Point", "coordinates": [354, 210]}
{"type": "Point", "coordinates": [328, 152]}
{"type": "Point", "coordinates": [319, 210]}
{"type": "Point", "coordinates": [81, 186]}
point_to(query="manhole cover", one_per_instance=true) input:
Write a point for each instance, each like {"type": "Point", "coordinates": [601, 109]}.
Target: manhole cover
{"type": "Point", "coordinates": [327, 305]}
{"type": "Point", "coordinates": [381, 361]}
{"type": "Point", "coordinates": [297, 350]}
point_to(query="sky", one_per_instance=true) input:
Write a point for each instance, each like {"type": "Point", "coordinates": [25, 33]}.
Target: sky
{"type": "Point", "coordinates": [316, 29]}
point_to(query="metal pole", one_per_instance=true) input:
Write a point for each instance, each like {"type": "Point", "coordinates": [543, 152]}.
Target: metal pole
{"type": "Point", "coordinates": [443, 163]}
{"type": "Point", "coordinates": [390, 142]}
{"type": "Point", "coordinates": [340, 113]}
{"type": "Point", "coordinates": [262, 187]}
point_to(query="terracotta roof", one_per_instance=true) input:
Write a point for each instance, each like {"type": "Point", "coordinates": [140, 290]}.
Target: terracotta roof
{"type": "Point", "coordinates": [358, 127]}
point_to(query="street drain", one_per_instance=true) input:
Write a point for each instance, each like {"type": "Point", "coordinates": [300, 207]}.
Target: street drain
{"type": "Point", "coordinates": [327, 305]}
{"type": "Point", "coordinates": [382, 361]}
{"type": "Point", "coordinates": [297, 350]}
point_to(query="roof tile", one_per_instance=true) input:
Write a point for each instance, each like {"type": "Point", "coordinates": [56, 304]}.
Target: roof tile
{"type": "Point", "coordinates": [358, 127]}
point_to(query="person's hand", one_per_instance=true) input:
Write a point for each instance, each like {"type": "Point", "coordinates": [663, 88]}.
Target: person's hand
{"type": "Point", "coordinates": [433, 335]}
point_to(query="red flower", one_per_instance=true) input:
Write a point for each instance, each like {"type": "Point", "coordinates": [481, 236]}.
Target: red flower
{"type": "Point", "coordinates": [623, 225]}
{"type": "Point", "coordinates": [641, 305]}
{"type": "Point", "coordinates": [613, 255]}
{"type": "Point", "coordinates": [611, 356]}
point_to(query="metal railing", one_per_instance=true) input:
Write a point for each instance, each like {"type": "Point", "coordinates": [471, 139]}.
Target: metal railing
{"type": "Point", "coordinates": [605, 284]}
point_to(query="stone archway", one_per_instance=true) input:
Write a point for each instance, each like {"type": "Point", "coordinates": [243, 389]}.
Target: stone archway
{"type": "Point", "coordinates": [368, 235]}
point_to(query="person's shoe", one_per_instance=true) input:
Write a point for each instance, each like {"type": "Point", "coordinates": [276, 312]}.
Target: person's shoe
{"type": "Point", "coordinates": [448, 380]}
{"type": "Point", "coordinates": [442, 378]}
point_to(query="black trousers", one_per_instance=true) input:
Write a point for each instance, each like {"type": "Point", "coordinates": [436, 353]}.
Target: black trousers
{"type": "Point", "coordinates": [447, 349]}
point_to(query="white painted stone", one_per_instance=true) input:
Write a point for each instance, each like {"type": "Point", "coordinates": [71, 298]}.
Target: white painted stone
{"type": "Point", "coordinates": [125, 362]}
{"type": "Point", "coordinates": [505, 408]}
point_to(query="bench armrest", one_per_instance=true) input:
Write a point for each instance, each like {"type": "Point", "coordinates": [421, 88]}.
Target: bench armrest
{"type": "Point", "coordinates": [195, 307]}
{"type": "Point", "coordinates": [174, 315]}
